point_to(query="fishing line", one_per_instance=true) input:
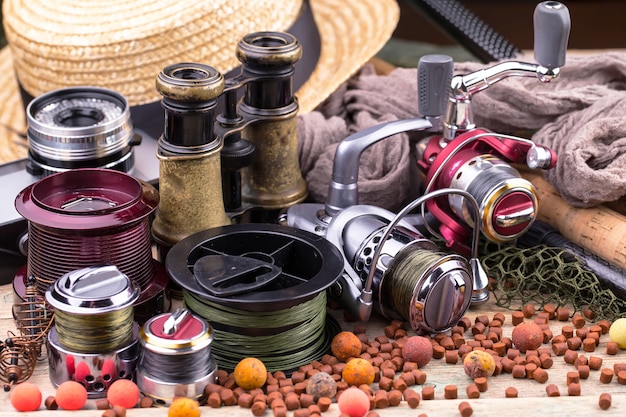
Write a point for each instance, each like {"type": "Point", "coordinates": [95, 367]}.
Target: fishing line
{"type": "Point", "coordinates": [94, 333]}
{"type": "Point", "coordinates": [409, 271]}
{"type": "Point", "coordinates": [283, 339]}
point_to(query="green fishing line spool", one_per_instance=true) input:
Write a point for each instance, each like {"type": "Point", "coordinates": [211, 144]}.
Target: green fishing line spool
{"type": "Point", "coordinates": [262, 287]}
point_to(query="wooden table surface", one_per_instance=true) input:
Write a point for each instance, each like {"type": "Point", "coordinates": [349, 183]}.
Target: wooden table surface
{"type": "Point", "coordinates": [532, 398]}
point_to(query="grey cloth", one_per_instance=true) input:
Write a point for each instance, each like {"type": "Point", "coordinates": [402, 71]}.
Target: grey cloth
{"type": "Point", "coordinates": [388, 175]}
{"type": "Point", "coordinates": [581, 115]}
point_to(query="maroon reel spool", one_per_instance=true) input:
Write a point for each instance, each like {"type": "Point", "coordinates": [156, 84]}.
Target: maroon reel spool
{"type": "Point", "coordinates": [86, 217]}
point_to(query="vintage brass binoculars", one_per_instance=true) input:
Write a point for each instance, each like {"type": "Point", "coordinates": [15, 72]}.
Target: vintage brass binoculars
{"type": "Point", "coordinates": [217, 167]}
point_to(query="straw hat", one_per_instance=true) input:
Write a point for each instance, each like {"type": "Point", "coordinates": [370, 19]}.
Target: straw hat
{"type": "Point", "coordinates": [122, 45]}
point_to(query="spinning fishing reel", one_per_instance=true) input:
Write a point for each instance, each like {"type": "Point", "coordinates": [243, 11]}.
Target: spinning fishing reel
{"type": "Point", "coordinates": [478, 161]}
{"type": "Point", "coordinates": [386, 259]}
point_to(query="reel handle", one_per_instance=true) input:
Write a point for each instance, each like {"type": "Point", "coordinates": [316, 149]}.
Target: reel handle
{"type": "Point", "coordinates": [434, 75]}
{"type": "Point", "coordinates": [552, 24]}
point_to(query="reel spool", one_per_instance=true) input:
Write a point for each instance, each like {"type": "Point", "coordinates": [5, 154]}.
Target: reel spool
{"type": "Point", "coordinates": [175, 358]}
{"type": "Point", "coordinates": [262, 288]}
{"type": "Point", "coordinates": [85, 217]}
{"type": "Point", "coordinates": [94, 339]}
{"type": "Point", "coordinates": [477, 162]}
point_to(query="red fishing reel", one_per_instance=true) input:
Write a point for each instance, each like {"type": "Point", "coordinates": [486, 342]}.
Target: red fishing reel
{"type": "Point", "coordinates": [479, 161]}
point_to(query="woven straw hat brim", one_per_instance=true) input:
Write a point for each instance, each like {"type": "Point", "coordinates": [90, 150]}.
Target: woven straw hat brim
{"type": "Point", "coordinates": [122, 45]}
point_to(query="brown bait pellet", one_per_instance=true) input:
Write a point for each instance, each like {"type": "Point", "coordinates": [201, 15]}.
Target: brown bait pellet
{"type": "Point", "coordinates": [408, 378]}
{"type": "Point", "coordinates": [306, 400]}
{"type": "Point", "coordinates": [302, 412]}
{"type": "Point", "coordinates": [606, 375]}
{"type": "Point", "coordinates": [464, 350]}
{"type": "Point", "coordinates": [146, 402]}
{"type": "Point", "coordinates": [589, 314]}
{"type": "Point", "coordinates": [507, 365]}
{"type": "Point", "coordinates": [420, 376]}
{"type": "Point", "coordinates": [292, 401]}
{"type": "Point", "coordinates": [574, 343]}
{"type": "Point", "coordinates": [481, 383]}
{"type": "Point", "coordinates": [605, 325]}
{"type": "Point", "coordinates": [578, 320]}
{"type": "Point", "coordinates": [399, 384]}
{"type": "Point", "coordinates": [512, 353]}
{"type": "Point", "coordinates": [530, 369]}
{"type": "Point", "coordinates": [499, 348]}
{"type": "Point", "coordinates": [478, 328]}
{"type": "Point", "coordinates": [581, 360]}
{"type": "Point", "coordinates": [245, 400]}
{"type": "Point", "coordinates": [314, 409]}
{"type": "Point", "coordinates": [388, 373]}
{"type": "Point", "coordinates": [519, 371]}
{"type": "Point", "coordinates": [258, 408]}
{"type": "Point", "coordinates": [553, 390]}
{"type": "Point", "coordinates": [324, 403]}
{"type": "Point", "coordinates": [559, 338]}
{"type": "Point", "coordinates": [517, 317]}
{"type": "Point", "coordinates": [604, 401]}
{"type": "Point", "coordinates": [447, 343]}
{"type": "Point", "coordinates": [381, 399]}
{"type": "Point", "coordinates": [570, 356]}
{"type": "Point", "coordinates": [582, 332]}
{"type": "Point", "coordinates": [395, 397]}
{"type": "Point", "coordinates": [583, 371]}
{"type": "Point", "coordinates": [547, 334]}
{"type": "Point", "coordinates": [573, 389]}
{"type": "Point", "coordinates": [567, 331]}
{"type": "Point", "coordinates": [540, 375]}
{"type": "Point", "coordinates": [452, 356]}
{"type": "Point", "coordinates": [450, 392]}
{"type": "Point", "coordinates": [621, 377]}
{"type": "Point", "coordinates": [559, 348]}
{"type": "Point", "coordinates": [228, 397]}
{"type": "Point", "coordinates": [261, 397]}
{"type": "Point", "coordinates": [109, 413]}
{"type": "Point", "coordinates": [385, 383]}
{"type": "Point", "coordinates": [428, 392]}
{"type": "Point", "coordinates": [278, 411]}
{"type": "Point", "coordinates": [465, 323]}
{"type": "Point", "coordinates": [101, 403]}
{"type": "Point", "coordinates": [277, 403]}
{"type": "Point", "coordinates": [617, 367]}
{"type": "Point", "coordinates": [411, 397]}
{"type": "Point", "coordinates": [572, 377]}
{"type": "Point", "coordinates": [528, 310]}
{"type": "Point", "coordinates": [612, 348]}
{"type": "Point", "coordinates": [510, 392]}
{"type": "Point", "coordinates": [465, 409]}
{"type": "Point", "coordinates": [562, 314]}
{"type": "Point", "coordinates": [546, 361]}
{"type": "Point", "coordinates": [214, 400]}
{"type": "Point", "coordinates": [438, 352]}
{"type": "Point", "coordinates": [472, 391]}
{"type": "Point", "coordinates": [499, 316]}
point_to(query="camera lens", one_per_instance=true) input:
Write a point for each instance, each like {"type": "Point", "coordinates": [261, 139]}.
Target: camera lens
{"type": "Point", "coordinates": [79, 127]}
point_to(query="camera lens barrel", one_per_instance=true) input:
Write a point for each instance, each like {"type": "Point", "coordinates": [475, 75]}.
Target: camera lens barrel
{"type": "Point", "coordinates": [79, 127]}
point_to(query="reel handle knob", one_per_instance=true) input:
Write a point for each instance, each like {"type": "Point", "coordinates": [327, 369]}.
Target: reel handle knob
{"type": "Point", "coordinates": [434, 75]}
{"type": "Point", "coordinates": [552, 26]}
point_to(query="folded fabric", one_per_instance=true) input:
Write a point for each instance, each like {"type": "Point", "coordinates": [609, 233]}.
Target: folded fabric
{"type": "Point", "coordinates": [581, 115]}
{"type": "Point", "coordinates": [388, 175]}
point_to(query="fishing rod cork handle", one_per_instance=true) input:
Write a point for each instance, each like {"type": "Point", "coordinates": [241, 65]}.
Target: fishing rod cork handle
{"type": "Point", "coordinates": [434, 75]}
{"type": "Point", "coordinates": [552, 26]}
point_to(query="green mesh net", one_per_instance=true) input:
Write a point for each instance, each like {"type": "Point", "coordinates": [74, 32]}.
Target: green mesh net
{"type": "Point", "coordinates": [544, 275]}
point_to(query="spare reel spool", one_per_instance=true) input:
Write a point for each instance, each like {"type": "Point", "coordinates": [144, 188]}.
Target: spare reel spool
{"type": "Point", "coordinates": [175, 358]}
{"type": "Point", "coordinates": [94, 339]}
{"type": "Point", "coordinates": [260, 286]}
{"type": "Point", "coordinates": [85, 217]}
